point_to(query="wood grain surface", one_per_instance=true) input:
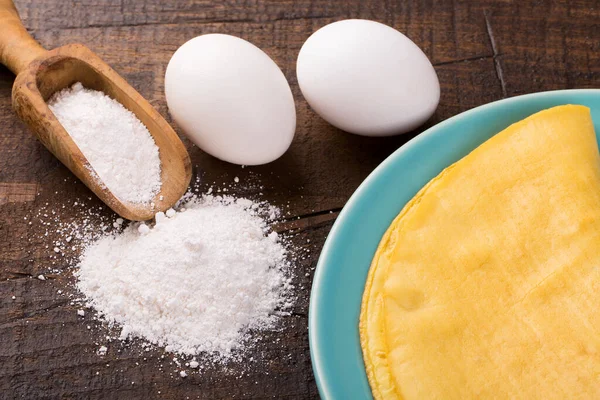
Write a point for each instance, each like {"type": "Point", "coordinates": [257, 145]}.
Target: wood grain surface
{"type": "Point", "coordinates": [482, 51]}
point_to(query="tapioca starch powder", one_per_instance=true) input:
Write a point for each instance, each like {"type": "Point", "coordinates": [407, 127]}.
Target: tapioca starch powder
{"type": "Point", "coordinates": [197, 281]}
{"type": "Point", "coordinates": [115, 142]}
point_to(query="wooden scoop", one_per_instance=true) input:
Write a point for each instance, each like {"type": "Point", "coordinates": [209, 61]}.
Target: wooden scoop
{"type": "Point", "coordinates": [42, 73]}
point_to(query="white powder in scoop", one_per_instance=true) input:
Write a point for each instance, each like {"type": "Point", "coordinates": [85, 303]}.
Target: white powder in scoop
{"type": "Point", "coordinates": [198, 281]}
{"type": "Point", "coordinates": [115, 142]}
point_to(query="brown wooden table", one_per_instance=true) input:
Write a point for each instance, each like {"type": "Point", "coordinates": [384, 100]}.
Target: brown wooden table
{"type": "Point", "coordinates": [482, 51]}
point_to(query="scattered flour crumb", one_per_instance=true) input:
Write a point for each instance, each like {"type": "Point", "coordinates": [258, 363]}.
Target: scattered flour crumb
{"type": "Point", "coordinates": [159, 217]}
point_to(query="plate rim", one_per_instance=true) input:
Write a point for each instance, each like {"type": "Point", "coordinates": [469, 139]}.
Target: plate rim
{"type": "Point", "coordinates": [323, 384]}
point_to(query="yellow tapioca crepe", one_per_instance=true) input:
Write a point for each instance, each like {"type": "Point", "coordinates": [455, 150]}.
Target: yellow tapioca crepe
{"type": "Point", "coordinates": [487, 285]}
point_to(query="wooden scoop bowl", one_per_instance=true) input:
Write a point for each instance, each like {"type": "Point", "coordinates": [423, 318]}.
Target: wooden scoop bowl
{"type": "Point", "coordinates": [42, 73]}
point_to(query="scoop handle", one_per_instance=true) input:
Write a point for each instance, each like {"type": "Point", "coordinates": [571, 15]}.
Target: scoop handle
{"type": "Point", "coordinates": [17, 48]}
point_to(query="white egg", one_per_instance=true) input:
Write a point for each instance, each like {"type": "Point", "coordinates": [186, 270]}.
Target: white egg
{"type": "Point", "coordinates": [367, 78]}
{"type": "Point", "coordinates": [231, 99]}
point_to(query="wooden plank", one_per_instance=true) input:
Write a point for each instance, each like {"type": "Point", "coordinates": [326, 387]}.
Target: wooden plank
{"type": "Point", "coordinates": [560, 50]}
{"type": "Point", "coordinates": [482, 51]}
{"type": "Point", "coordinates": [446, 30]}
{"type": "Point", "coordinates": [17, 192]}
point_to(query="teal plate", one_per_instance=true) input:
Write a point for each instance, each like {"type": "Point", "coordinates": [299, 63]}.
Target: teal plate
{"type": "Point", "coordinates": [344, 263]}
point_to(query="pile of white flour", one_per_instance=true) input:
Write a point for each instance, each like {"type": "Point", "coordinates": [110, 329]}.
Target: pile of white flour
{"type": "Point", "coordinates": [115, 142]}
{"type": "Point", "coordinates": [198, 281]}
